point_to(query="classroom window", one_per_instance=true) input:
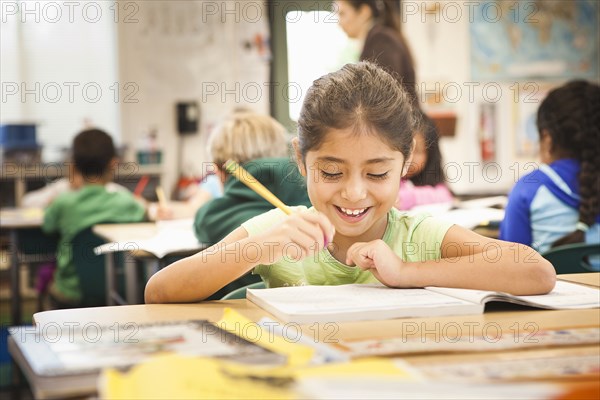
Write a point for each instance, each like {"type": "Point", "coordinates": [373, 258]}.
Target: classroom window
{"type": "Point", "coordinates": [316, 46]}
{"type": "Point", "coordinates": [307, 43]}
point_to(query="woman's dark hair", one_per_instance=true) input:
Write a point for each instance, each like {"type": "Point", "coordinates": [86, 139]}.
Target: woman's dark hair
{"type": "Point", "coordinates": [570, 114]}
{"type": "Point", "coordinates": [360, 96]}
{"type": "Point", "coordinates": [432, 173]}
{"type": "Point", "coordinates": [384, 13]}
{"type": "Point", "coordinates": [93, 150]}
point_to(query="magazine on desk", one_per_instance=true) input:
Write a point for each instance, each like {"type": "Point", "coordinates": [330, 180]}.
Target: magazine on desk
{"type": "Point", "coordinates": [66, 360]}
{"type": "Point", "coordinates": [361, 302]}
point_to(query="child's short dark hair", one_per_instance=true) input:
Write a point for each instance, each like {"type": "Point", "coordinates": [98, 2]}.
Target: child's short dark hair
{"type": "Point", "coordinates": [93, 151]}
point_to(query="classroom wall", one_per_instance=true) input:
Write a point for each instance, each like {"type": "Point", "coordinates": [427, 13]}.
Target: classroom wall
{"type": "Point", "coordinates": [440, 47]}
{"type": "Point", "coordinates": [58, 70]}
{"type": "Point", "coordinates": [190, 51]}
{"type": "Point", "coordinates": [144, 56]}
{"type": "Point", "coordinates": [217, 54]}
{"type": "Point", "coordinates": [439, 36]}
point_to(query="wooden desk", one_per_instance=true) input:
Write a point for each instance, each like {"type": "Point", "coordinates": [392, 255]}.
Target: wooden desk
{"type": "Point", "coordinates": [129, 233]}
{"type": "Point", "coordinates": [486, 231]}
{"type": "Point", "coordinates": [212, 310]}
{"type": "Point", "coordinates": [119, 233]}
{"type": "Point", "coordinates": [590, 279]}
{"type": "Point", "coordinates": [505, 322]}
{"type": "Point", "coordinates": [13, 220]}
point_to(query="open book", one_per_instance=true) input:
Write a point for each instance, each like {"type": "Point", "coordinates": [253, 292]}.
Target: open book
{"type": "Point", "coordinates": [171, 237]}
{"type": "Point", "coordinates": [308, 304]}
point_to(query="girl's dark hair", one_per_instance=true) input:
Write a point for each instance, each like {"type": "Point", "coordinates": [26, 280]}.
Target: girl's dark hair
{"type": "Point", "coordinates": [432, 173]}
{"type": "Point", "coordinates": [360, 96]}
{"type": "Point", "coordinates": [571, 116]}
{"type": "Point", "coordinates": [385, 12]}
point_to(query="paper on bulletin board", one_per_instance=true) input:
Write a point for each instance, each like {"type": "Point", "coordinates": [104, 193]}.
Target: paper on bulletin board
{"type": "Point", "coordinates": [525, 104]}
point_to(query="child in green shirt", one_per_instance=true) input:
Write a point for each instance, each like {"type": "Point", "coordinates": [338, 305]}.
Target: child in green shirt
{"type": "Point", "coordinates": [94, 202]}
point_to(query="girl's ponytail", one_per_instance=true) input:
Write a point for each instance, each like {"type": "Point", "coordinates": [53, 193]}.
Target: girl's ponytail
{"type": "Point", "coordinates": [587, 150]}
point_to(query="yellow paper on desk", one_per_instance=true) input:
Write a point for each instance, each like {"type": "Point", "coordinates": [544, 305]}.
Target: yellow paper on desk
{"type": "Point", "coordinates": [34, 213]}
{"type": "Point", "coordinates": [362, 367]}
{"type": "Point", "coordinates": [296, 353]}
{"type": "Point", "coordinates": [178, 377]}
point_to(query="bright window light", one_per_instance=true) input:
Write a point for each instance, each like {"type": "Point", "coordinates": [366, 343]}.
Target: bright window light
{"type": "Point", "coordinates": [316, 45]}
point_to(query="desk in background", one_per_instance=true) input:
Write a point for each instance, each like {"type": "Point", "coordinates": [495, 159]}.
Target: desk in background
{"type": "Point", "coordinates": [481, 215]}
{"type": "Point", "coordinates": [16, 221]}
{"type": "Point", "coordinates": [129, 233]}
{"type": "Point", "coordinates": [506, 321]}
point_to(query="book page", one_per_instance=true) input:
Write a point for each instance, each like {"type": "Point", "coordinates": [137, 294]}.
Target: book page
{"type": "Point", "coordinates": [372, 387]}
{"type": "Point", "coordinates": [565, 295]}
{"type": "Point", "coordinates": [579, 363]}
{"type": "Point", "coordinates": [169, 239]}
{"type": "Point", "coordinates": [471, 343]}
{"type": "Point", "coordinates": [351, 298]}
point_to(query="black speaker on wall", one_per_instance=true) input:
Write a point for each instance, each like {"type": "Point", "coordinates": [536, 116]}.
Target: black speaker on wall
{"type": "Point", "coordinates": [188, 117]}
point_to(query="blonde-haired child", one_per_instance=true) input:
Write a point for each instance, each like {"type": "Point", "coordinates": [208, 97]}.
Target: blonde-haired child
{"type": "Point", "coordinates": [261, 144]}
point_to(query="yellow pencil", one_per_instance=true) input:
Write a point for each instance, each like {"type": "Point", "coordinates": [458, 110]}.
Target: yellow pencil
{"type": "Point", "coordinates": [162, 200]}
{"type": "Point", "coordinates": [247, 179]}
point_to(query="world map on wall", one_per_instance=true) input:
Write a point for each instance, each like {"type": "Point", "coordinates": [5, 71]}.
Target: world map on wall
{"type": "Point", "coordinates": [534, 39]}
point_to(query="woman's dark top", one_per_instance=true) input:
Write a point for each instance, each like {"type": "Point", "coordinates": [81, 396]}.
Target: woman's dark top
{"type": "Point", "coordinates": [384, 47]}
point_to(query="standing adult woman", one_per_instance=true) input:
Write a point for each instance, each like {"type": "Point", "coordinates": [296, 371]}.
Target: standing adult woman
{"type": "Point", "coordinates": [374, 23]}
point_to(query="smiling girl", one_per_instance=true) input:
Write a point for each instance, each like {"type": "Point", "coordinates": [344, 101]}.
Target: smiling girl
{"type": "Point", "coordinates": [355, 138]}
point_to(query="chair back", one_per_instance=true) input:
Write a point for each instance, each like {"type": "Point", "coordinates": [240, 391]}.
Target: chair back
{"type": "Point", "coordinates": [35, 245]}
{"type": "Point", "coordinates": [574, 258]}
{"type": "Point", "coordinates": [90, 268]}
{"type": "Point", "coordinates": [240, 293]}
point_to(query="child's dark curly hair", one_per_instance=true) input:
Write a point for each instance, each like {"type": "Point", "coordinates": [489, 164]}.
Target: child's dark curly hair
{"type": "Point", "coordinates": [570, 114]}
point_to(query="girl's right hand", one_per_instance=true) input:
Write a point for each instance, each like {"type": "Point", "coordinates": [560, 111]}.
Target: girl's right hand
{"type": "Point", "coordinates": [299, 236]}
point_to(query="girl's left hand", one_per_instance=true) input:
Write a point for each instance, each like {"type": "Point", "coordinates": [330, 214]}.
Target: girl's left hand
{"type": "Point", "coordinates": [377, 257]}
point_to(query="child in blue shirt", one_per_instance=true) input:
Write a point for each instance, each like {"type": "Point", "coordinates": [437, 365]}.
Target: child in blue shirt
{"type": "Point", "coordinates": [559, 202]}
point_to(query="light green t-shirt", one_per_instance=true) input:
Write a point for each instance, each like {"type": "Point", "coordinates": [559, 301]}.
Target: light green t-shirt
{"type": "Point", "coordinates": [413, 237]}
